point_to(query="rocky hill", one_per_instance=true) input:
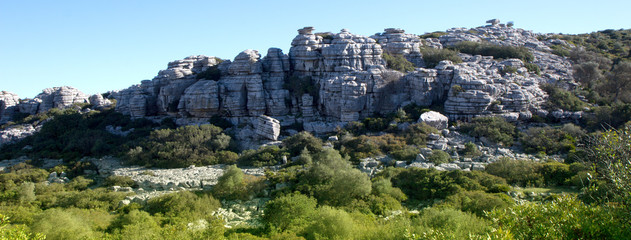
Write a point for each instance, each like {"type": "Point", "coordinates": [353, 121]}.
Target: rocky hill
{"type": "Point", "coordinates": [327, 80]}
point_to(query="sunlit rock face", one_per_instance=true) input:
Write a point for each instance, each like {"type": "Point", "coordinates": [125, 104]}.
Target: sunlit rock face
{"type": "Point", "coordinates": [328, 79]}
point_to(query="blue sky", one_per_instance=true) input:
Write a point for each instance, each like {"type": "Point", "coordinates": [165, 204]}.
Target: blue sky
{"type": "Point", "coordinates": [98, 46]}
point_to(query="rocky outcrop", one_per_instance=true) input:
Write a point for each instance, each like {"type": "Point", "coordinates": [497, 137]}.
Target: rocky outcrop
{"type": "Point", "coordinates": [8, 102]}
{"type": "Point", "coordinates": [434, 119]}
{"type": "Point", "coordinates": [268, 128]}
{"type": "Point", "coordinates": [396, 41]}
{"type": "Point", "coordinates": [17, 132]}
{"type": "Point", "coordinates": [341, 77]}
{"type": "Point", "coordinates": [98, 101]}
{"type": "Point", "coordinates": [60, 97]}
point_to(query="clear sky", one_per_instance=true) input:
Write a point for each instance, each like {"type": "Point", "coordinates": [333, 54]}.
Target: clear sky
{"type": "Point", "coordinates": [101, 45]}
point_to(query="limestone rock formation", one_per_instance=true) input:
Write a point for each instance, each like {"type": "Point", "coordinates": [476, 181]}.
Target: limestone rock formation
{"type": "Point", "coordinates": [268, 128]}
{"type": "Point", "coordinates": [434, 119]}
{"type": "Point", "coordinates": [327, 80]}
{"type": "Point", "coordinates": [60, 97]}
{"type": "Point", "coordinates": [98, 101]}
{"type": "Point", "coordinates": [8, 102]}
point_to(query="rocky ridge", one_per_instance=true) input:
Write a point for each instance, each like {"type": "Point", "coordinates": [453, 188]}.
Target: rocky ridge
{"type": "Point", "coordinates": [327, 80]}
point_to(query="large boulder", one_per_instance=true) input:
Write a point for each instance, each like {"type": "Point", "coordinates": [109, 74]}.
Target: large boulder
{"type": "Point", "coordinates": [268, 128]}
{"type": "Point", "coordinates": [434, 119]}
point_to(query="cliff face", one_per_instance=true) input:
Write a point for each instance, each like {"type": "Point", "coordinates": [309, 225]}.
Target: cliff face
{"type": "Point", "coordinates": [342, 77]}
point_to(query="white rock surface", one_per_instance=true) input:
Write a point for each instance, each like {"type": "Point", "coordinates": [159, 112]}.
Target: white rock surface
{"type": "Point", "coordinates": [434, 119]}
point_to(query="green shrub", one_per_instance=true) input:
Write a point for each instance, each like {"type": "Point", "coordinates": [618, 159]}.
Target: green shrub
{"type": "Point", "coordinates": [182, 147]}
{"type": "Point", "coordinates": [432, 35]}
{"type": "Point", "coordinates": [439, 157]}
{"type": "Point", "coordinates": [291, 212]}
{"type": "Point", "coordinates": [298, 86]}
{"type": "Point", "coordinates": [563, 218]}
{"type": "Point", "coordinates": [212, 73]}
{"type": "Point", "coordinates": [551, 140]}
{"type": "Point", "coordinates": [330, 223]}
{"type": "Point", "coordinates": [296, 143]}
{"type": "Point", "coordinates": [398, 62]}
{"type": "Point", "coordinates": [416, 134]}
{"type": "Point", "coordinates": [497, 51]}
{"type": "Point", "coordinates": [136, 225]}
{"type": "Point", "coordinates": [408, 153]}
{"type": "Point", "coordinates": [508, 69]}
{"type": "Point", "coordinates": [533, 68]}
{"type": "Point", "coordinates": [456, 89]}
{"type": "Point", "coordinates": [519, 172]}
{"type": "Point", "coordinates": [122, 181]}
{"type": "Point", "coordinates": [562, 99]}
{"type": "Point", "coordinates": [9, 231]}
{"type": "Point", "coordinates": [332, 180]}
{"type": "Point", "coordinates": [448, 223]}
{"type": "Point", "coordinates": [234, 184]}
{"type": "Point", "coordinates": [477, 202]}
{"type": "Point", "coordinates": [495, 129]}
{"type": "Point", "coordinates": [61, 224]}
{"type": "Point", "coordinates": [264, 156]}
{"type": "Point", "coordinates": [428, 184]}
{"type": "Point", "coordinates": [182, 205]}
{"type": "Point", "coordinates": [433, 56]}
{"type": "Point", "coordinates": [471, 150]}
{"type": "Point", "coordinates": [383, 186]}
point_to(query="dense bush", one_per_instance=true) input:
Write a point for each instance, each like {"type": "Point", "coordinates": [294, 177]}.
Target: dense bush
{"type": "Point", "coordinates": [234, 184]}
{"type": "Point", "coordinates": [432, 56]}
{"type": "Point", "coordinates": [439, 157]}
{"type": "Point", "coordinates": [184, 205]}
{"type": "Point", "coordinates": [564, 218]}
{"type": "Point", "coordinates": [551, 140]}
{"type": "Point", "coordinates": [122, 181]}
{"type": "Point", "coordinates": [497, 51]}
{"type": "Point", "coordinates": [398, 62]}
{"type": "Point", "coordinates": [427, 184]}
{"type": "Point", "coordinates": [471, 150]}
{"type": "Point", "coordinates": [330, 223]}
{"type": "Point", "coordinates": [71, 135]}
{"type": "Point", "coordinates": [212, 73]}
{"type": "Point", "coordinates": [291, 212]}
{"type": "Point", "coordinates": [416, 134]}
{"type": "Point", "coordinates": [332, 180]}
{"type": "Point", "coordinates": [518, 172]}
{"type": "Point", "coordinates": [477, 202]}
{"type": "Point", "coordinates": [263, 156]}
{"type": "Point", "coordinates": [298, 86]}
{"type": "Point", "coordinates": [182, 147]}
{"type": "Point", "coordinates": [296, 143]}
{"type": "Point", "coordinates": [495, 129]}
{"type": "Point", "coordinates": [562, 99]}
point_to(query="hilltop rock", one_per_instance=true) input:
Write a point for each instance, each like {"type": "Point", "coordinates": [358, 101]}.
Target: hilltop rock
{"type": "Point", "coordinates": [330, 79]}
{"type": "Point", "coordinates": [8, 103]}
{"type": "Point", "coordinates": [60, 97]}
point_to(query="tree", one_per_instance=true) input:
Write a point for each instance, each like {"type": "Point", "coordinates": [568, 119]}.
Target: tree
{"type": "Point", "coordinates": [619, 80]}
{"type": "Point", "coordinates": [231, 185]}
{"type": "Point", "coordinates": [610, 154]}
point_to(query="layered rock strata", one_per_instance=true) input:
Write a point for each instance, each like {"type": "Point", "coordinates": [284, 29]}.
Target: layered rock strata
{"type": "Point", "coordinates": [329, 79]}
